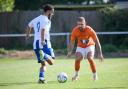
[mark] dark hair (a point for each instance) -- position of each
(47, 7)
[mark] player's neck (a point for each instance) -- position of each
(45, 14)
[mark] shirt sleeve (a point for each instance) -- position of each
(93, 34)
(73, 35)
(43, 25)
(30, 24)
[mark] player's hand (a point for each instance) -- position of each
(27, 37)
(69, 54)
(100, 56)
(43, 43)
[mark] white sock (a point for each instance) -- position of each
(94, 74)
(42, 78)
(76, 73)
(95, 77)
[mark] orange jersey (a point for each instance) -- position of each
(85, 38)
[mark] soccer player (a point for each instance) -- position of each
(42, 45)
(86, 39)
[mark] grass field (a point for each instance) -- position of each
(23, 74)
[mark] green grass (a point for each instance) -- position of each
(23, 74)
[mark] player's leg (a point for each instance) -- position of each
(42, 73)
(44, 57)
(40, 56)
(49, 60)
(47, 48)
(49, 55)
(92, 65)
(79, 57)
(90, 57)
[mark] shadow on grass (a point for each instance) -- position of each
(52, 82)
(17, 83)
(25, 83)
(105, 88)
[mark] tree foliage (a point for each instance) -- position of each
(6, 5)
(36, 4)
(115, 20)
(9, 5)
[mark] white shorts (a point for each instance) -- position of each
(84, 51)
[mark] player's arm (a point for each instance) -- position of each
(98, 45)
(99, 49)
(70, 48)
(28, 31)
(72, 42)
(42, 36)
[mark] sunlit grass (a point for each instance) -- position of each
(23, 74)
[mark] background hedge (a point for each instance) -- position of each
(114, 20)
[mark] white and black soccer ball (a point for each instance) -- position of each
(62, 77)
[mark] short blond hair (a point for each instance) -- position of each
(81, 19)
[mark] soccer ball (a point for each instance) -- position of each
(62, 77)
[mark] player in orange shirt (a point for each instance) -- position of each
(86, 40)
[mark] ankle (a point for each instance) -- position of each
(76, 73)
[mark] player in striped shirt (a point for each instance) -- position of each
(42, 45)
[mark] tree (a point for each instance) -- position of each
(37, 4)
(27, 4)
(6, 5)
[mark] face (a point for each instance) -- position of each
(50, 14)
(81, 25)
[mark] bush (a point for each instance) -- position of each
(115, 20)
(109, 48)
(3, 51)
(124, 46)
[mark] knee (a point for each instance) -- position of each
(79, 56)
(50, 62)
(89, 57)
(78, 60)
